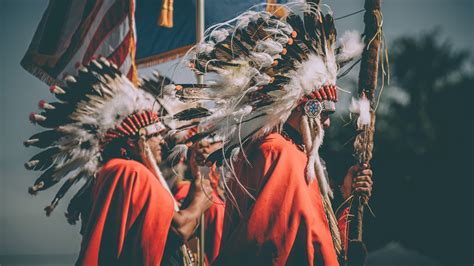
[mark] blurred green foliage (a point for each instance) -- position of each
(423, 155)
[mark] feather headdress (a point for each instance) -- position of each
(265, 67)
(95, 107)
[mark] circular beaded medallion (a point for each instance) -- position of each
(313, 108)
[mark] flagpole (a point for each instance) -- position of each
(200, 80)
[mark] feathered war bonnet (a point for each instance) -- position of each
(95, 107)
(265, 66)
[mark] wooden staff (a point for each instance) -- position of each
(363, 144)
(200, 80)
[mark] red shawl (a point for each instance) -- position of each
(130, 217)
(214, 221)
(286, 224)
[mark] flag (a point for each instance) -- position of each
(74, 32)
(167, 29)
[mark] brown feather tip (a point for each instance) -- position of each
(34, 189)
(156, 74)
(31, 164)
(82, 69)
(45, 105)
(34, 117)
(30, 142)
(56, 90)
(50, 208)
(72, 218)
(70, 79)
(104, 61)
(97, 64)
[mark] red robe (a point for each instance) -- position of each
(286, 223)
(130, 217)
(213, 221)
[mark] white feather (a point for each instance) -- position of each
(244, 19)
(179, 151)
(362, 108)
(121, 99)
(205, 47)
(269, 46)
(262, 79)
(350, 45)
(314, 168)
(169, 90)
(219, 35)
(314, 73)
(262, 59)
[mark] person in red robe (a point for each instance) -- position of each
(278, 218)
(214, 216)
(106, 131)
(133, 214)
(213, 220)
(275, 87)
(133, 220)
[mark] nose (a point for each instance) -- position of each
(327, 122)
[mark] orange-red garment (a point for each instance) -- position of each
(130, 217)
(286, 223)
(342, 223)
(213, 221)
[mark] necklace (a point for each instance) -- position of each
(292, 135)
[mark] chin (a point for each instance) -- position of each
(158, 159)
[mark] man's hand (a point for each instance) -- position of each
(193, 164)
(358, 180)
(185, 221)
(202, 193)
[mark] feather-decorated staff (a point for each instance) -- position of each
(365, 107)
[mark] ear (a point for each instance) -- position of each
(298, 110)
(132, 145)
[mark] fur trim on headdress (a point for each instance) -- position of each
(314, 168)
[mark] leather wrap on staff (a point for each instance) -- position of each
(363, 144)
(370, 57)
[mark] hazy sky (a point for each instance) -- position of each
(24, 229)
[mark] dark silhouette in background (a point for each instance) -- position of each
(423, 152)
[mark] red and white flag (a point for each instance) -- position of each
(74, 32)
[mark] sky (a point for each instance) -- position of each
(24, 228)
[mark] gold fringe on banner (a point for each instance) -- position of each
(166, 16)
(132, 51)
(276, 9)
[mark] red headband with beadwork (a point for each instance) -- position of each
(132, 125)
